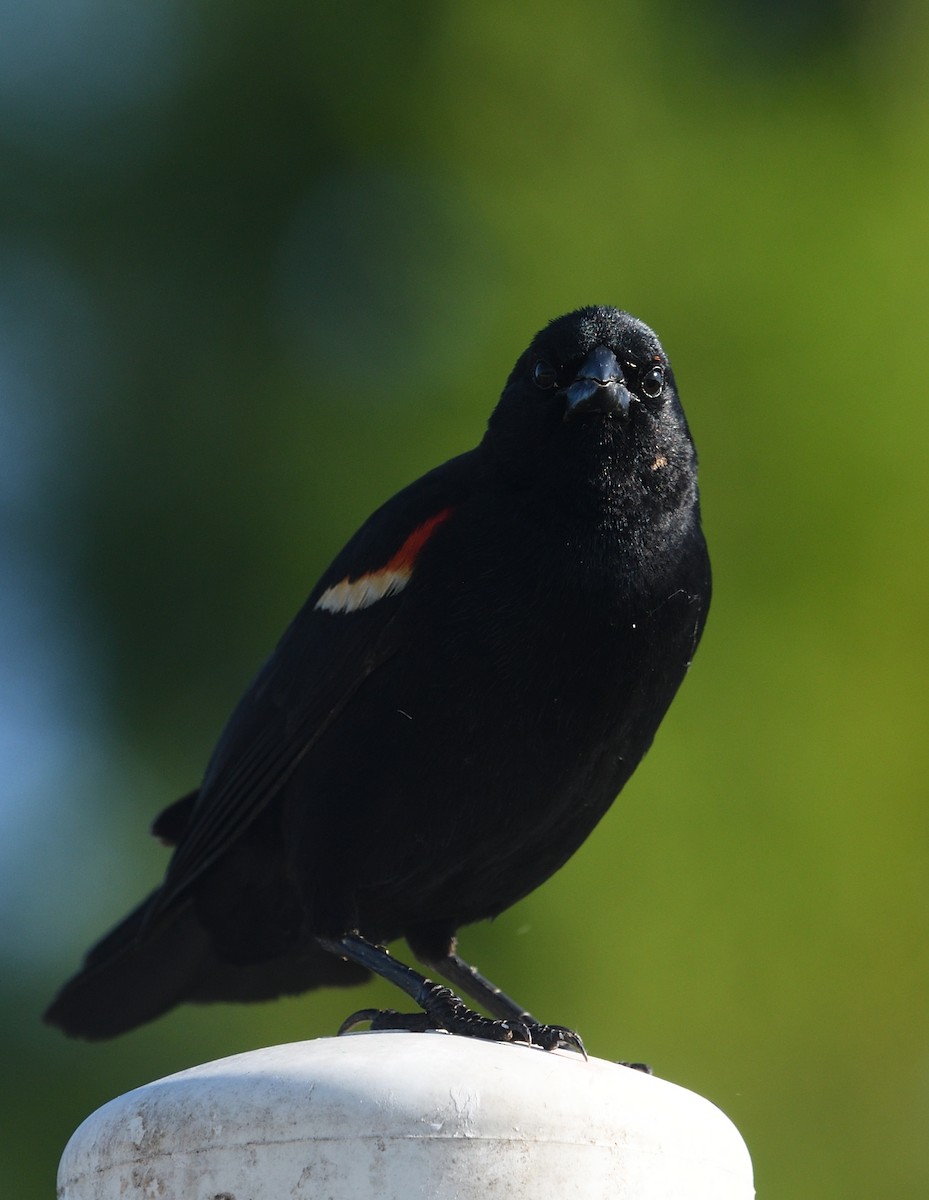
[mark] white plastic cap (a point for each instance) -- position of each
(402, 1115)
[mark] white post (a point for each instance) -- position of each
(402, 1115)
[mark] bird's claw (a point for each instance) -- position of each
(444, 1010)
(637, 1066)
(386, 1018)
(557, 1037)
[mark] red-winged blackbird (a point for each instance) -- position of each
(463, 694)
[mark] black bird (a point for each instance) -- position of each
(453, 710)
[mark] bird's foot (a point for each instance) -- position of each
(386, 1018)
(443, 1010)
(450, 1012)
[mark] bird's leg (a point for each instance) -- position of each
(442, 1009)
(468, 979)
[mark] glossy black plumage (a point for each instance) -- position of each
(463, 694)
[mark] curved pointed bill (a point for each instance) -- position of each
(599, 386)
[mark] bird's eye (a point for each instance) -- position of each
(543, 374)
(652, 383)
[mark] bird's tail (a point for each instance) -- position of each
(142, 969)
(127, 980)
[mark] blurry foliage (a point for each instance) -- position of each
(261, 266)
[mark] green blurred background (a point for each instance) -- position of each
(260, 265)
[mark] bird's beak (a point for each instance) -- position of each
(599, 386)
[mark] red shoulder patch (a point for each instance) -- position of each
(351, 594)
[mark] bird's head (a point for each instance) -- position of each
(592, 403)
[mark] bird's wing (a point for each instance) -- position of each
(349, 627)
